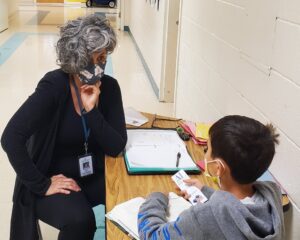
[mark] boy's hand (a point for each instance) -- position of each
(190, 182)
(194, 182)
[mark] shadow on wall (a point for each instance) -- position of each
(291, 217)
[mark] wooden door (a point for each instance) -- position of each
(3, 15)
(50, 1)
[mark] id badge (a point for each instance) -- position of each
(86, 165)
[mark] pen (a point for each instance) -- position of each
(178, 158)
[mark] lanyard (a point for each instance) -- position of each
(85, 128)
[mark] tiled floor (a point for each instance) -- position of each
(27, 53)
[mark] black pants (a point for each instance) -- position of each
(72, 214)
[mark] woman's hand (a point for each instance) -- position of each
(90, 95)
(190, 182)
(62, 184)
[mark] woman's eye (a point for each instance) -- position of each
(101, 59)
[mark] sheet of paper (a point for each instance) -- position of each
(133, 117)
(139, 137)
(202, 130)
(190, 127)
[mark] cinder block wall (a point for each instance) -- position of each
(243, 57)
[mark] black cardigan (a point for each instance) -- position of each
(30, 135)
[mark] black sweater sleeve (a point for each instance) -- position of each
(34, 112)
(110, 129)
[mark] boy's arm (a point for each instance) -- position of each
(207, 191)
(152, 222)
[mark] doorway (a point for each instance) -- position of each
(170, 50)
(50, 1)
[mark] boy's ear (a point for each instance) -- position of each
(221, 167)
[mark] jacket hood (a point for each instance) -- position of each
(261, 220)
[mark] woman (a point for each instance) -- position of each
(57, 140)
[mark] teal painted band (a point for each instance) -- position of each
(11, 45)
(147, 69)
(109, 67)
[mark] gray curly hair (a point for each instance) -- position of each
(80, 38)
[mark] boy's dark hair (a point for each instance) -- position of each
(246, 145)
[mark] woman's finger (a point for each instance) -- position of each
(68, 185)
(63, 191)
(86, 86)
(58, 176)
(71, 185)
(71, 181)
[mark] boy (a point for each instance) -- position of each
(240, 150)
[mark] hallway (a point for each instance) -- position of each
(27, 52)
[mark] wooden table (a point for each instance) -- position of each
(121, 187)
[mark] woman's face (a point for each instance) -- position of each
(99, 57)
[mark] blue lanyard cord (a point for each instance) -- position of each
(85, 129)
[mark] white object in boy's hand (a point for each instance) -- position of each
(195, 193)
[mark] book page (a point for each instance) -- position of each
(156, 149)
(125, 214)
(158, 157)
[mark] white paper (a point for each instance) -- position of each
(156, 149)
(195, 193)
(125, 214)
(133, 117)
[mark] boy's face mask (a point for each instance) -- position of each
(216, 179)
(92, 73)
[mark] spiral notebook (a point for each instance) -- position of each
(151, 151)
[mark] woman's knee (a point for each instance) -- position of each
(66, 211)
(82, 226)
(82, 217)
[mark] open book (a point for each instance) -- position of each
(156, 151)
(125, 214)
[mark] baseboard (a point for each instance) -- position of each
(146, 67)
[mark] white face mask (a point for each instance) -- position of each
(216, 179)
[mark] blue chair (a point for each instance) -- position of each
(99, 212)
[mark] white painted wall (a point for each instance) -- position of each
(147, 25)
(243, 57)
(3, 15)
(12, 7)
(125, 11)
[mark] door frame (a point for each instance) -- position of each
(170, 51)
